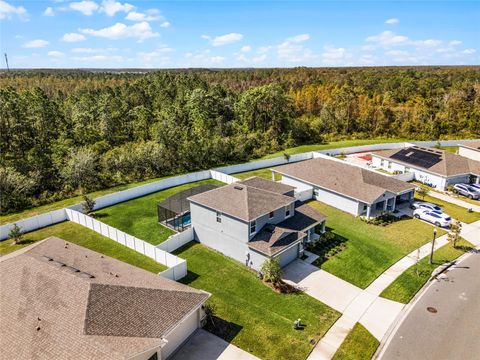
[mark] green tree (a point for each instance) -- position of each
(271, 270)
(454, 233)
(88, 205)
(422, 192)
(16, 234)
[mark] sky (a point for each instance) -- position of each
(229, 34)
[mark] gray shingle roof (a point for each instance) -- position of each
(450, 164)
(241, 201)
(274, 238)
(55, 298)
(340, 177)
(264, 184)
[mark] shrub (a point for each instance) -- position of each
(16, 234)
(88, 204)
(271, 270)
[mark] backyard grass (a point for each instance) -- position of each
(4, 219)
(138, 217)
(370, 249)
(251, 315)
(404, 288)
(455, 211)
(358, 345)
(330, 145)
(265, 173)
(82, 236)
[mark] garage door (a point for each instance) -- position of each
(288, 256)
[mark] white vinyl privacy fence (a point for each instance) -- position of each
(177, 240)
(177, 267)
(221, 174)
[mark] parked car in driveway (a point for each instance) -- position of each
(467, 190)
(426, 206)
(435, 217)
(476, 186)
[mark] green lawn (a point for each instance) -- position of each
(370, 249)
(455, 211)
(265, 173)
(4, 219)
(358, 345)
(253, 316)
(138, 217)
(404, 288)
(330, 145)
(82, 236)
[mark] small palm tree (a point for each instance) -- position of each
(422, 192)
(271, 270)
(454, 233)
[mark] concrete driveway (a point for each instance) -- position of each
(206, 346)
(321, 285)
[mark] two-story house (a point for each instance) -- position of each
(254, 220)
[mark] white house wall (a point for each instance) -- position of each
(469, 153)
(303, 191)
(181, 333)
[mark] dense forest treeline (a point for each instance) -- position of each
(65, 132)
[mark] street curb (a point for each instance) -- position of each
(387, 338)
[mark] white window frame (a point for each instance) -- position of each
(219, 217)
(253, 225)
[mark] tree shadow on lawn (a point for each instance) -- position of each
(222, 328)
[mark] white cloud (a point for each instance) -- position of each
(140, 31)
(49, 11)
(99, 59)
(246, 48)
(7, 10)
(92, 50)
(73, 37)
(386, 39)
(39, 43)
(223, 39)
(136, 16)
(454, 42)
(428, 43)
(292, 50)
(111, 7)
(165, 24)
(392, 21)
(331, 53)
(56, 54)
(86, 7)
(469, 51)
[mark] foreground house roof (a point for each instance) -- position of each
(63, 301)
(349, 180)
(436, 161)
(272, 239)
(242, 201)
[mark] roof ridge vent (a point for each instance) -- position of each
(238, 187)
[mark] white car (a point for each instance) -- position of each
(426, 206)
(435, 217)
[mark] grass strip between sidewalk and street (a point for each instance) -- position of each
(358, 345)
(404, 288)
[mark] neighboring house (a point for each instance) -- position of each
(433, 167)
(470, 150)
(67, 302)
(350, 188)
(254, 220)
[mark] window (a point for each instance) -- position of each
(271, 215)
(219, 217)
(389, 164)
(407, 169)
(253, 227)
(315, 191)
(381, 163)
(287, 211)
(364, 206)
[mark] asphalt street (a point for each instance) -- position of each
(453, 331)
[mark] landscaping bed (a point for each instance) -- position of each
(250, 314)
(138, 217)
(358, 345)
(85, 237)
(404, 288)
(369, 249)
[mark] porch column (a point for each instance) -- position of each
(385, 205)
(369, 208)
(323, 226)
(394, 203)
(477, 180)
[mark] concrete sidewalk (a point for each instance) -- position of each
(367, 307)
(454, 200)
